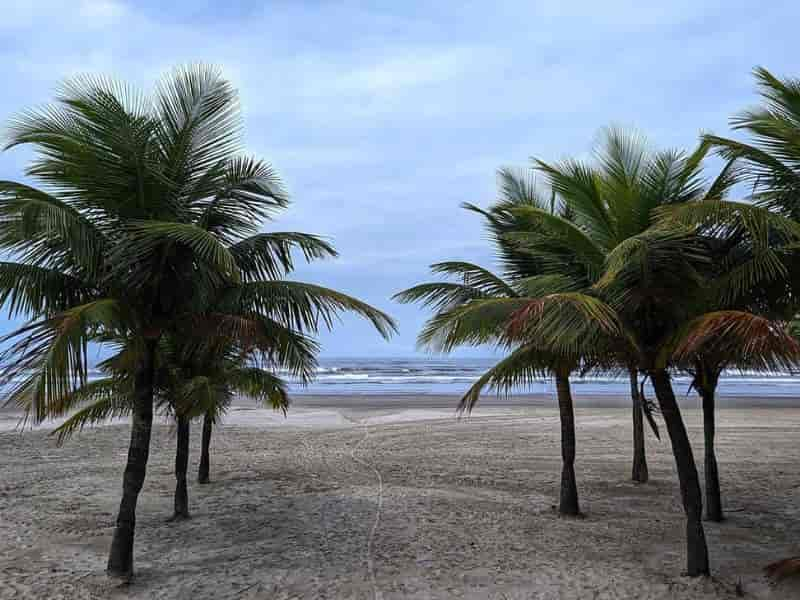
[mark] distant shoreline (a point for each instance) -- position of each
(449, 402)
(414, 400)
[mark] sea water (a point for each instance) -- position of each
(455, 375)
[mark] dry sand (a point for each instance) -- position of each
(370, 502)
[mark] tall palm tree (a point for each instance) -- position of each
(650, 277)
(146, 210)
(617, 197)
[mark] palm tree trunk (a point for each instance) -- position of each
(713, 495)
(120, 559)
(639, 473)
(202, 472)
(181, 466)
(568, 504)
(697, 550)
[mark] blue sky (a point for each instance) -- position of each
(383, 117)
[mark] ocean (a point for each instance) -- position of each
(353, 376)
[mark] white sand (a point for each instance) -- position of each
(382, 503)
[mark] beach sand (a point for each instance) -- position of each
(352, 498)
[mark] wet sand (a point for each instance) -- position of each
(352, 497)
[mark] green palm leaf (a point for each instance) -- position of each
(269, 255)
(524, 366)
(302, 306)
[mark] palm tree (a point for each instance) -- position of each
(754, 242)
(184, 389)
(721, 340)
(651, 277)
(146, 210)
(771, 164)
(481, 307)
(616, 198)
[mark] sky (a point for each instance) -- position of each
(383, 117)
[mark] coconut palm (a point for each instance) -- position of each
(649, 277)
(184, 388)
(730, 339)
(615, 198)
(771, 164)
(145, 210)
(481, 306)
(754, 242)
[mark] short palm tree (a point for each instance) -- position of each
(186, 386)
(146, 211)
(725, 340)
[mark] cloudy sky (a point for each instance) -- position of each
(382, 117)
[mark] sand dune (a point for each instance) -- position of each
(399, 503)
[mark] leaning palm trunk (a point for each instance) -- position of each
(120, 559)
(568, 504)
(697, 550)
(713, 495)
(202, 472)
(181, 467)
(639, 472)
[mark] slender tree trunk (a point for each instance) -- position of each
(181, 466)
(568, 504)
(202, 472)
(120, 559)
(639, 473)
(697, 550)
(713, 496)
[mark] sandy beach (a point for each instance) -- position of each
(381, 498)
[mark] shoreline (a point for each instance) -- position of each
(444, 401)
(337, 411)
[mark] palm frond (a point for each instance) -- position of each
(578, 185)
(150, 236)
(302, 306)
(266, 388)
(46, 360)
(103, 399)
(248, 192)
(524, 366)
(199, 122)
(31, 290)
(477, 322)
(440, 295)
(269, 255)
(742, 340)
(570, 324)
(45, 231)
(475, 276)
(518, 187)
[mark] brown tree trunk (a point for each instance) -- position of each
(181, 466)
(202, 472)
(568, 504)
(120, 559)
(639, 472)
(697, 550)
(707, 391)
